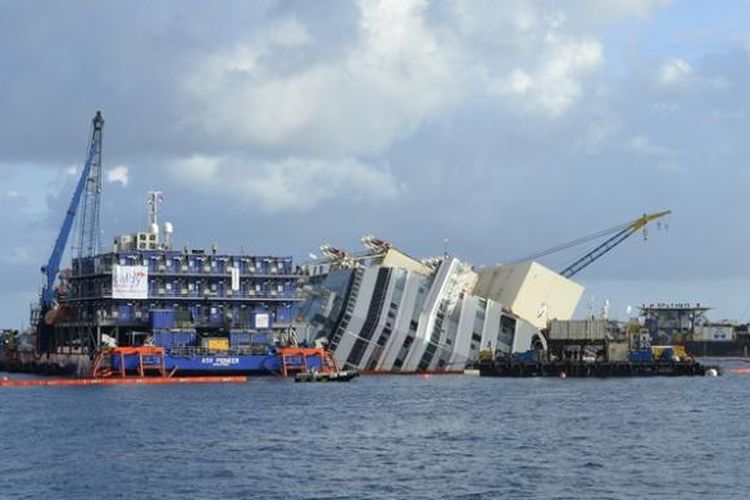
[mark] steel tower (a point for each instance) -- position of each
(89, 236)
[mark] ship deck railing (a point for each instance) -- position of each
(268, 297)
(103, 273)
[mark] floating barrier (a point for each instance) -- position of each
(60, 382)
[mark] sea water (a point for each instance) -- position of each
(446, 436)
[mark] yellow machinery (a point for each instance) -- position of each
(671, 351)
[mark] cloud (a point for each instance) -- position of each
(118, 174)
(397, 74)
(290, 184)
(644, 145)
(673, 71)
(328, 114)
(554, 85)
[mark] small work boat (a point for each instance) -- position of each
(329, 371)
(316, 376)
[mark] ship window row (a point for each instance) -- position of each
(247, 288)
(373, 313)
(184, 263)
(401, 358)
(386, 333)
(338, 333)
(427, 357)
(184, 316)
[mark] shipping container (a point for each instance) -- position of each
(260, 338)
(125, 314)
(524, 357)
(170, 339)
(162, 319)
(215, 343)
(617, 351)
(718, 333)
(239, 338)
(587, 329)
(642, 355)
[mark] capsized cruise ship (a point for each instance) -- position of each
(381, 310)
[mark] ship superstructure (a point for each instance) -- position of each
(381, 310)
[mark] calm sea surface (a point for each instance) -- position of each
(381, 437)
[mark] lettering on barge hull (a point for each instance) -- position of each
(220, 361)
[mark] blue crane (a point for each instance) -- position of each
(89, 183)
(87, 244)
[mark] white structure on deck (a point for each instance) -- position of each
(386, 311)
(531, 291)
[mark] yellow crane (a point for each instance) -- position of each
(620, 236)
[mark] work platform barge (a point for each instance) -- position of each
(524, 368)
(204, 312)
(595, 348)
(211, 312)
(129, 295)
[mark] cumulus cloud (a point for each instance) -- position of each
(397, 74)
(673, 71)
(290, 184)
(118, 174)
(554, 84)
(477, 106)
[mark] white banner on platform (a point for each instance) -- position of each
(129, 282)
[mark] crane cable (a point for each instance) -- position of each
(574, 243)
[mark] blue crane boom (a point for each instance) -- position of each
(52, 269)
(611, 243)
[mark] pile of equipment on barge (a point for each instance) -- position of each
(594, 348)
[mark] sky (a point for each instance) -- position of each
(502, 127)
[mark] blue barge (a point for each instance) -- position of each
(197, 361)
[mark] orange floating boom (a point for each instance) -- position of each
(58, 382)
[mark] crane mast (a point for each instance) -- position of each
(88, 241)
(87, 189)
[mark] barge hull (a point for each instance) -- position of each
(596, 369)
(220, 364)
